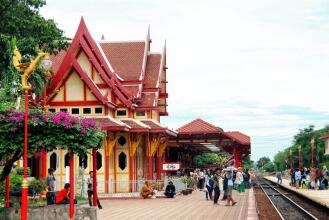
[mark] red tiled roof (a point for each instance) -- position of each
(135, 126)
(112, 125)
(198, 126)
(57, 60)
(148, 99)
(133, 90)
(239, 137)
(153, 125)
(152, 70)
(126, 58)
(157, 127)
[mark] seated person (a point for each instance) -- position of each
(63, 195)
(147, 190)
(170, 191)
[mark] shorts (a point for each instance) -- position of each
(229, 191)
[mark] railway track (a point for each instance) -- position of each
(286, 208)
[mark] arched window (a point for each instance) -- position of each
(67, 160)
(99, 160)
(83, 161)
(53, 161)
(122, 160)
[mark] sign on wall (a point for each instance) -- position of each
(170, 166)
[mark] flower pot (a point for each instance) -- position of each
(185, 192)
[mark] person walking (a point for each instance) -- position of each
(279, 177)
(90, 190)
(229, 176)
(209, 185)
(216, 179)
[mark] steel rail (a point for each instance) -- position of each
(288, 199)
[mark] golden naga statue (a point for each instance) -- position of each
(26, 68)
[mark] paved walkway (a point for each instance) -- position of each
(193, 206)
(319, 196)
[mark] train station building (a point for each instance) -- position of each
(123, 86)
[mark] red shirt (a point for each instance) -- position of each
(61, 195)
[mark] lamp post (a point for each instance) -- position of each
(312, 147)
(291, 162)
(299, 157)
(27, 69)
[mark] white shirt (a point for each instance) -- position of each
(239, 178)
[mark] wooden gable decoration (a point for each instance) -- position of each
(84, 60)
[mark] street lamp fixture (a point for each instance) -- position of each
(299, 157)
(312, 146)
(27, 69)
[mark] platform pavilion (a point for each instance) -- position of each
(199, 136)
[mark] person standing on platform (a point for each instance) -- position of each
(279, 177)
(229, 176)
(209, 184)
(224, 177)
(90, 190)
(252, 178)
(50, 184)
(195, 179)
(325, 176)
(201, 180)
(239, 180)
(298, 177)
(216, 179)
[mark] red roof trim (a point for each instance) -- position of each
(325, 136)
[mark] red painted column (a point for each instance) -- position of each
(237, 160)
(158, 168)
(107, 173)
(24, 200)
(131, 172)
(150, 168)
(94, 177)
(44, 164)
(71, 186)
(7, 191)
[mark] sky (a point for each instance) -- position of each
(256, 66)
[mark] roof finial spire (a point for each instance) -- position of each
(102, 38)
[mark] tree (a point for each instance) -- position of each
(268, 167)
(248, 163)
(303, 138)
(46, 131)
(262, 161)
(22, 25)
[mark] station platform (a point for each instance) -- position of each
(192, 206)
(318, 196)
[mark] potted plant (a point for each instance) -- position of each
(38, 186)
(186, 180)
